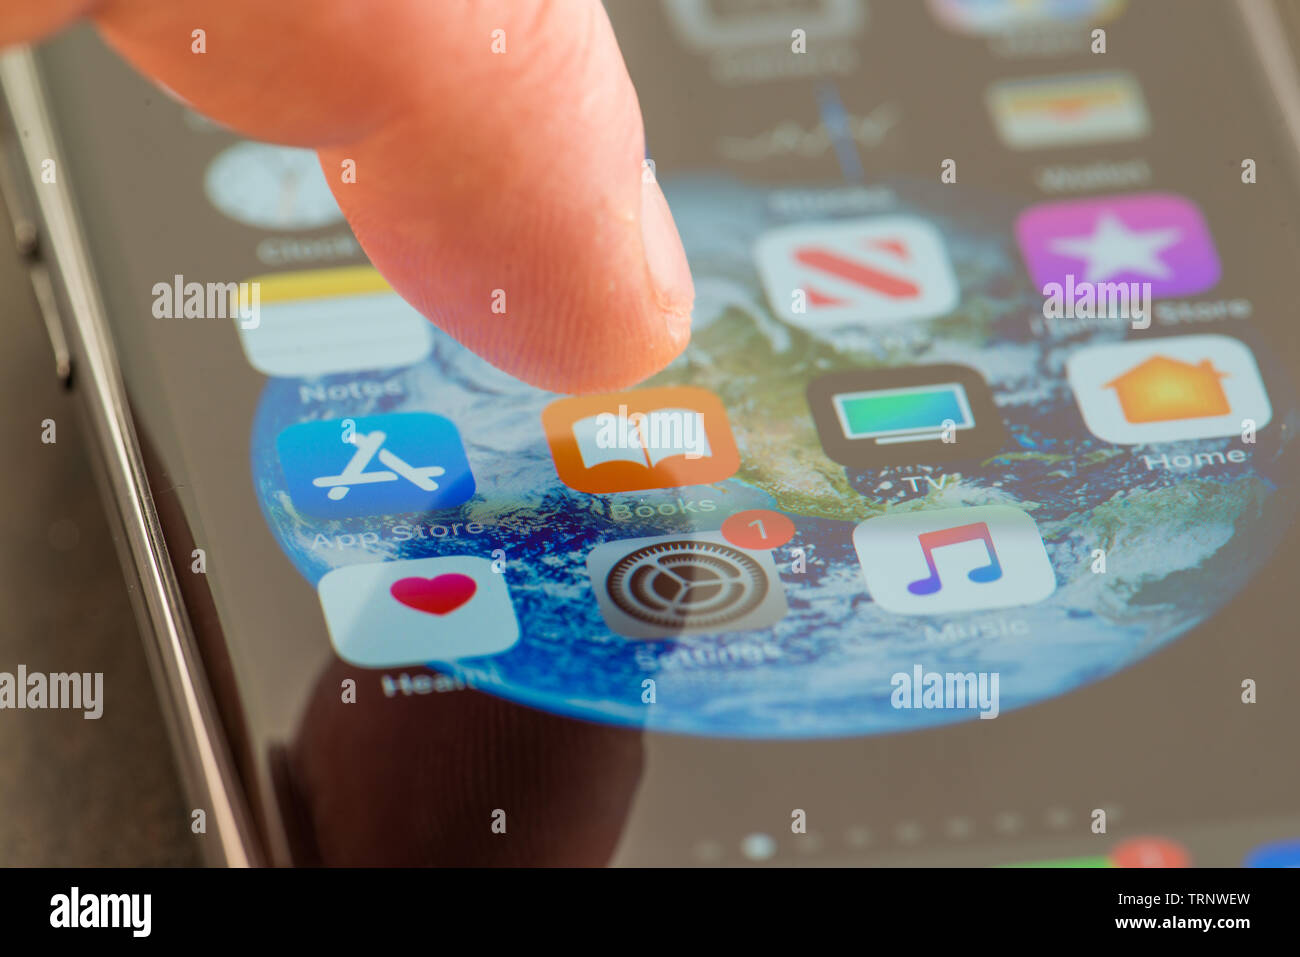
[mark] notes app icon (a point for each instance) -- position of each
(323, 321)
(954, 559)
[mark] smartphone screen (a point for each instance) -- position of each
(961, 533)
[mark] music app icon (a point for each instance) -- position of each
(954, 559)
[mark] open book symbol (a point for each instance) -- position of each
(643, 439)
(370, 446)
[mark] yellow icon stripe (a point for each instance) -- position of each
(321, 283)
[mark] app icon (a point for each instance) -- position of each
(1150, 852)
(870, 418)
(649, 438)
(684, 584)
(708, 25)
(419, 610)
(1168, 389)
(1092, 861)
(1004, 16)
(1277, 854)
(878, 269)
(1155, 238)
(271, 187)
(1138, 852)
(954, 559)
(332, 320)
(374, 465)
(1068, 110)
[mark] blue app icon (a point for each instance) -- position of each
(1278, 854)
(375, 465)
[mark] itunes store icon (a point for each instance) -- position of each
(954, 559)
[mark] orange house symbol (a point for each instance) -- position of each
(1166, 390)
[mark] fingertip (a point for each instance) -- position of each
(670, 273)
(26, 21)
(521, 172)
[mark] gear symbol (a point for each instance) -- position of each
(680, 584)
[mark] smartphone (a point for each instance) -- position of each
(963, 532)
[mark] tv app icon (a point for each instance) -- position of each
(954, 559)
(871, 418)
(374, 465)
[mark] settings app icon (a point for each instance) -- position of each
(685, 584)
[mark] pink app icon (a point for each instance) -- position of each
(1155, 238)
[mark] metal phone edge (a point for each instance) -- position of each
(196, 730)
(1267, 33)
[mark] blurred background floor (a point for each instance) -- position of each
(72, 791)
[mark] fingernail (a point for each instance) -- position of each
(665, 258)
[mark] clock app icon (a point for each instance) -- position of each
(271, 187)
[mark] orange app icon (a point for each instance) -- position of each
(648, 438)
(1162, 389)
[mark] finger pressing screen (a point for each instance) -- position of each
(492, 150)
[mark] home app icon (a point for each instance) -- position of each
(1169, 389)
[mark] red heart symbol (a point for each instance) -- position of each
(438, 595)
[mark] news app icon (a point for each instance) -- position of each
(645, 439)
(385, 614)
(374, 465)
(1168, 389)
(674, 585)
(871, 418)
(954, 559)
(850, 272)
(1048, 111)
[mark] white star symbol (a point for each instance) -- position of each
(1114, 248)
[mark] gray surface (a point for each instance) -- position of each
(72, 791)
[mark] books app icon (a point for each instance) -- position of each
(645, 439)
(868, 418)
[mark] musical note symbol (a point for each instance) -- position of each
(952, 536)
